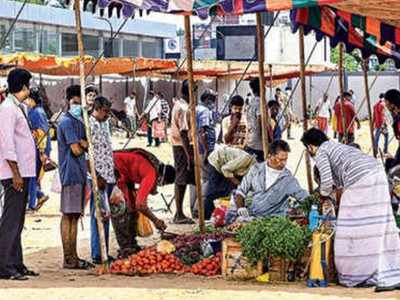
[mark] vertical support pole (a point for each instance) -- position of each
(192, 105)
(103, 251)
(367, 96)
(126, 86)
(341, 89)
(271, 93)
(261, 74)
(101, 84)
(304, 103)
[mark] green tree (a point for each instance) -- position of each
(351, 61)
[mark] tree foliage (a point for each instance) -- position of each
(351, 64)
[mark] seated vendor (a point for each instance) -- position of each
(227, 165)
(138, 173)
(271, 185)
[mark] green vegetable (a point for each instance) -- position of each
(276, 236)
(397, 218)
(309, 201)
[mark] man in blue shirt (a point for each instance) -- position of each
(205, 121)
(72, 146)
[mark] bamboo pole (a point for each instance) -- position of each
(304, 103)
(192, 105)
(341, 89)
(271, 93)
(103, 250)
(263, 104)
(367, 96)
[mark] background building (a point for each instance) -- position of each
(50, 30)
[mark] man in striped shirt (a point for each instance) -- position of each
(367, 243)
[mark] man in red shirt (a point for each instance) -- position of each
(380, 124)
(138, 173)
(349, 116)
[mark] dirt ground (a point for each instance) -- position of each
(42, 248)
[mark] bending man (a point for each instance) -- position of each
(137, 167)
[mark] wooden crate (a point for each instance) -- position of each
(234, 265)
(278, 269)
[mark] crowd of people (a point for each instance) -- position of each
(233, 164)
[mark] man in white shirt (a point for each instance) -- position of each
(131, 111)
(152, 113)
(324, 113)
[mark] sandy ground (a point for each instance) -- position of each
(42, 248)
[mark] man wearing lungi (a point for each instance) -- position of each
(72, 146)
(367, 243)
(182, 150)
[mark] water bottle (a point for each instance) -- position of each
(313, 218)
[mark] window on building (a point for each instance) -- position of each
(49, 42)
(3, 32)
(91, 45)
(130, 48)
(70, 44)
(152, 49)
(116, 48)
(24, 39)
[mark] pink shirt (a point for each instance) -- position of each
(16, 141)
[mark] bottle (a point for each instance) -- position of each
(313, 218)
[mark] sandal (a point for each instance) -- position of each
(78, 264)
(184, 221)
(40, 203)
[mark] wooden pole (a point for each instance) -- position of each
(271, 93)
(367, 96)
(341, 89)
(103, 250)
(192, 105)
(261, 74)
(304, 103)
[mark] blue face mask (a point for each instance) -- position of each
(76, 111)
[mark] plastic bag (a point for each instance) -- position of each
(56, 183)
(144, 228)
(117, 202)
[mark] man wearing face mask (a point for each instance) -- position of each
(72, 146)
(234, 126)
(367, 243)
(271, 183)
(17, 167)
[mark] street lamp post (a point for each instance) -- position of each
(108, 51)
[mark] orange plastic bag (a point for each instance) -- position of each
(144, 228)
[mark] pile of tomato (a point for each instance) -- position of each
(208, 266)
(149, 261)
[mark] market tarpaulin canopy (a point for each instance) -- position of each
(202, 8)
(232, 70)
(69, 66)
(372, 36)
